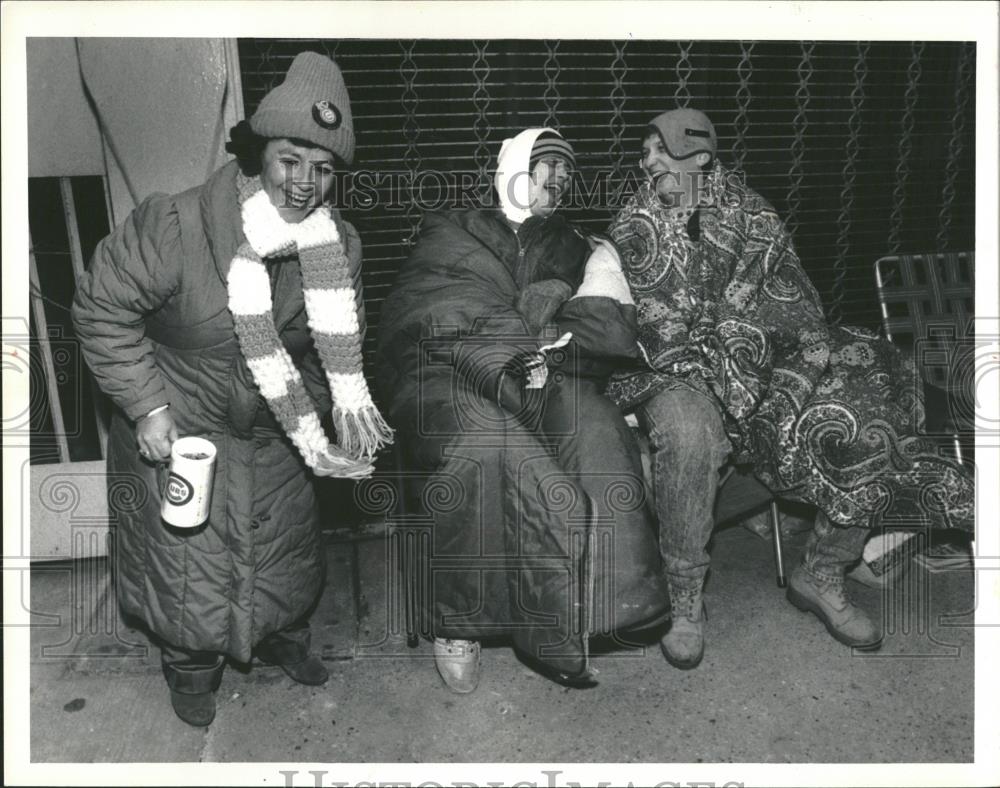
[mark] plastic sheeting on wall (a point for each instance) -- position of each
(164, 109)
(63, 138)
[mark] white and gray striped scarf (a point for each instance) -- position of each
(331, 311)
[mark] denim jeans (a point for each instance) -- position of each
(831, 549)
(689, 447)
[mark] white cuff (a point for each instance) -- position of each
(156, 410)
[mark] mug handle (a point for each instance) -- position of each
(162, 477)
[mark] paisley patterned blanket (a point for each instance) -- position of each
(830, 416)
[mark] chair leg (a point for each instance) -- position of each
(405, 552)
(407, 581)
(779, 554)
(410, 588)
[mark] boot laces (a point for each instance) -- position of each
(685, 604)
(834, 588)
(838, 590)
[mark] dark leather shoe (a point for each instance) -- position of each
(197, 709)
(309, 671)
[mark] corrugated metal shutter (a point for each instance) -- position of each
(865, 148)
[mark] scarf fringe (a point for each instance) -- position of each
(362, 432)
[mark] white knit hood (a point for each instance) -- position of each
(513, 178)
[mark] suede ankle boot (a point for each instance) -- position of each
(684, 644)
(826, 597)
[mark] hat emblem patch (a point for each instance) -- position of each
(326, 114)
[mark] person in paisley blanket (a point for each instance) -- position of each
(736, 362)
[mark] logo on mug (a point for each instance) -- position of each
(179, 490)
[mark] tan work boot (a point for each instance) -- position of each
(684, 643)
(827, 598)
(457, 662)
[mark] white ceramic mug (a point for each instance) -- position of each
(187, 493)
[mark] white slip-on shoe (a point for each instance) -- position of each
(457, 662)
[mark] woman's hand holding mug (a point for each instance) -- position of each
(155, 434)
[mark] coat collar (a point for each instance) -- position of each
(220, 217)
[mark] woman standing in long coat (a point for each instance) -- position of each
(233, 311)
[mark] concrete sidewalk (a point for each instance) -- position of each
(774, 686)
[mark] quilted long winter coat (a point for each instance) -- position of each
(152, 315)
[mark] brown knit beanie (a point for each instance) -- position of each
(311, 104)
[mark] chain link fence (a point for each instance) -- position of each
(866, 148)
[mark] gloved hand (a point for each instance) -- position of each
(523, 403)
(340, 465)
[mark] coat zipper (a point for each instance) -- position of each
(519, 268)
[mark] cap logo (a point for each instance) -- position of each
(326, 114)
(697, 133)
